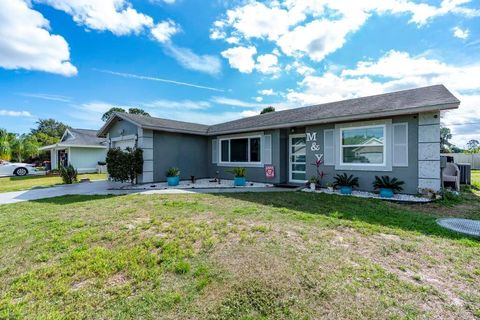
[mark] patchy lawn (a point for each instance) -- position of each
(235, 256)
(8, 184)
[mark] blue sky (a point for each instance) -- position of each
(213, 61)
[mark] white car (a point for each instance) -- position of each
(17, 169)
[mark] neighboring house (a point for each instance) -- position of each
(395, 134)
(79, 147)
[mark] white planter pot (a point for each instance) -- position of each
(312, 186)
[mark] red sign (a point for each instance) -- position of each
(270, 171)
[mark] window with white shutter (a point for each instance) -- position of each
(267, 149)
(328, 147)
(400, 144)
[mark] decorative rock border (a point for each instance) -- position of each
(199, 184)
(407, 198)
(465, 226)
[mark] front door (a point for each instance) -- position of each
(297, 158)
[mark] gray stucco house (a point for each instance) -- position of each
(395, 134)
(79, 147)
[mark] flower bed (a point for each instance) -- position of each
(365, 194)
(199, 184)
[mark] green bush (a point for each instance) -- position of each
(172, 172)
(125, 165)
(238, 172)
(387, 183)
(68, 174)
(344, 180)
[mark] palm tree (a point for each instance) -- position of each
(5, 145)
(25, 146)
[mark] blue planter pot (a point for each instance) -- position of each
(346, 190)
(239, 181)
(173, 181)
(386, 193)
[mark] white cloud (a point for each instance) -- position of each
(26, 43)
(45, 96)
(241, 58)
(300, 68)
(267, 64)
(116, 16)
(267, 92)
(190, 60)
(461, 33)
(396, 71)
(258, 99)
(13, 113)
(319, 38)
(150, 78)
(236, 102)
(318, 28)
(420, 70)
(163, 31)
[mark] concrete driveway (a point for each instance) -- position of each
(103, 187)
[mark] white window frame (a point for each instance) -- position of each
(235, 164)
(384, 145)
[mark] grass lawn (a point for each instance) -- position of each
(236, 256)
(476, 178)
(8, 184)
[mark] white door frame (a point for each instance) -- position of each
(290, 162)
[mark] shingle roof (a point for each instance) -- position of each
(84, 137)
(410, 101)
(400, 102)
(165, 124)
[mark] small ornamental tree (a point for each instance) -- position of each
(125, 165)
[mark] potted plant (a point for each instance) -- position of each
(345, 183)
(329, 186)
(313, 182)
(387, 186)
(173, 176)
(239, 176)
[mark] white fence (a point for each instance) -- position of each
(473, 159)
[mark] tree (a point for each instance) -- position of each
(267, 110)
(473, 144)
(24, 146)
(138, 111)
(50, 127)
(445, 136)
(45, 140)
(109, 113)
(5, 145)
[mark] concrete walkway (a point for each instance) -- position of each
(104, 187)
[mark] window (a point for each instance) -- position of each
(240, 150)
(363, 145)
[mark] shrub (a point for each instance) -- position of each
(344, 180)
(172, 172)
(68, 174)
(313, 179)
(238, 172)
(386, 183)
(124, 165)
